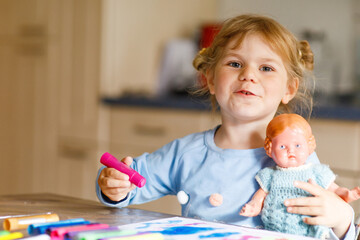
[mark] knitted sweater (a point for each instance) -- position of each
(279, 184)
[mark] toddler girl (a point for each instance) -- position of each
(254, 69)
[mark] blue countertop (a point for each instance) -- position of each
(325, 108)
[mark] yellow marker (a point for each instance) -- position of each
(140, 236)
(10, 236)
(16, 223)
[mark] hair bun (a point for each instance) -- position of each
(306, 55)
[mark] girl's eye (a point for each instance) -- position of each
(282, 146)
(297, 145)
(266, 69)
(235, 64)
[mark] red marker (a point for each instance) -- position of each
(110, 161)
(59, 233)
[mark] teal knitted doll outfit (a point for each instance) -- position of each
(278, 183)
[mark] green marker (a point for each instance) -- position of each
(94, 235)
(2, 233)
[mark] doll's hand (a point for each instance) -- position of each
(115, 184)
(325, 207)
(250, 210)
(348, 195)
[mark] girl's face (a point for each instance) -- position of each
(290, 148)
(250, 81)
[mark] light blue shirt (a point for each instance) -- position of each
(195, 165)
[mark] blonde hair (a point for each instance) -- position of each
(297, 56)
(293, 121)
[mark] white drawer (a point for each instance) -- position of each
(152, 127)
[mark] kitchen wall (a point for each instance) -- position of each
(135, 34)
(329, 24)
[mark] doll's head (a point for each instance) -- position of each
(289, 140)
(297, 56)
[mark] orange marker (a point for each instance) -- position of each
(15, 223)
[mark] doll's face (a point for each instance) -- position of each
(290, 148)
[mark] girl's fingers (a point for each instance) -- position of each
(310, 187)
(315, 220)
(310, 211)
(306, 201)
(127, 160)
(113, 173)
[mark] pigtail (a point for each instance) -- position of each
(202, 65)
(306, 55)
(200, 60)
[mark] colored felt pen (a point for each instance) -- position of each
(38, 237)
(98, 234)
(59, 233)
(4, 232)
(15, 223)
(40, 228)
(134, 177)
(76, 235)
(13, 235)
(140, 236)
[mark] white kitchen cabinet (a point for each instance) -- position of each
(49, 71)
(57, 57)
(28, 56)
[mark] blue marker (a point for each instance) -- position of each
(40, 228)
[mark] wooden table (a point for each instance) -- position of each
(69, 207)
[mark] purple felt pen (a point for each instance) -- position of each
(110, 161)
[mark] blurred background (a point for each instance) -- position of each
(81, 77)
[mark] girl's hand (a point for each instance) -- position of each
(115, 184)
(325, 207)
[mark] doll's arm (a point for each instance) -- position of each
(346, 194)
(254, 206)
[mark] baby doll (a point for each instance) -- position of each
(289, 142)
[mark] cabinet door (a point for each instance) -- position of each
(150, 126)
(25, 107)
(78, 97)
(337, 143)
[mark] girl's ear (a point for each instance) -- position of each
(291, 91)
(210, 82)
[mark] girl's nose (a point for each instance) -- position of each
(247, 74)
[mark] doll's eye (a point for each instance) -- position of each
(282, 147)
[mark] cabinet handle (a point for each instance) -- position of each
(155, 131)
(73, 153)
